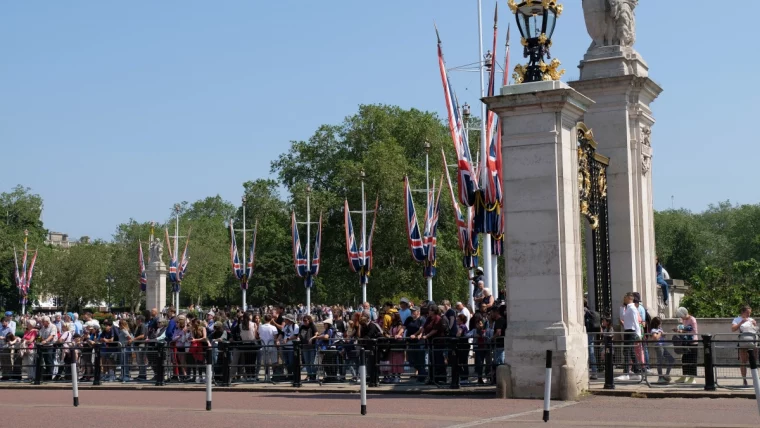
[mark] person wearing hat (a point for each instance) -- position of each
(327, 350)
(11, 323)
(289, 334)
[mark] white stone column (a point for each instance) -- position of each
(155, 291)
(616, 78)
(543, 240)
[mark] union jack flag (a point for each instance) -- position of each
(237, 267)
(355, 261)
(185, 259)
(359, 256)
(143, 275)
(467, 182)
(299, 257)
(23, 272)
(416, 243)
(317, 249)
(17, 276)
(251, 254)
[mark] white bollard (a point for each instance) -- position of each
(75, 382)
(548, 386)
(209, 377)
(363, 380)
(755, 380)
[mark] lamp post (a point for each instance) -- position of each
(536, 20)
(109, 282)
(470, 286)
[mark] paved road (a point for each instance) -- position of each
(236, 409)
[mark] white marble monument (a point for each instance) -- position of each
(155, 292)
(615, 76)
(543, 241)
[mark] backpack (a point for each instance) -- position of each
(593, 321)
(446, 327)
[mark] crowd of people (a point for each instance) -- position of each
(261, 342)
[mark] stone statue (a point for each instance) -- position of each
(156, 251)
(610, 22)
(646, 149)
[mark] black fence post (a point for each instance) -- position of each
(161, 358)
(227, 354)
(609, 366)
(709, 364)
(38, 366)
(454, 363)
(374, 364)
(97, 369)
(296, 364)
(431, 363)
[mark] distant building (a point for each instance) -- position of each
(58, 239)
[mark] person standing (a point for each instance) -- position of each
(689, 357)
(289, 334)
(48, 336)
(632, 329)
(747, 329)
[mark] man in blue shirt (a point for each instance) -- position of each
(404, 310)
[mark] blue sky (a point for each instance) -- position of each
(116, 110)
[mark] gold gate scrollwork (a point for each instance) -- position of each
(592, 192)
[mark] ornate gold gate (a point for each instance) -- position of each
(592, 185)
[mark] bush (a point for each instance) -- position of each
(102, 316)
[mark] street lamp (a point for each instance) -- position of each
(466, 112)
(109, 281)
(536, 20)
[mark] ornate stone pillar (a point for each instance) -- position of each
(543, 240)
(155, 291)
(616, 77)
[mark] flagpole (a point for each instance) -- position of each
(245, 259)
(487, 270)
(176, 253)
(23, 298)
(364, 240)
(308, 249)
(427, 187)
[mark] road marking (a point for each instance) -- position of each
(512, 416)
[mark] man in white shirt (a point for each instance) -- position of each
(630, 320)
(268, 336)
(461, 309)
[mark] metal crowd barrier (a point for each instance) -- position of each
(442, 362)
(712, 361)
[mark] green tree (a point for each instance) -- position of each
(20, 210)
(208, 249)
(387, 143)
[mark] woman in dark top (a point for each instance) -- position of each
(306, 331)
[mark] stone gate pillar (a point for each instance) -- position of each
(616, 78)
(543, 239)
